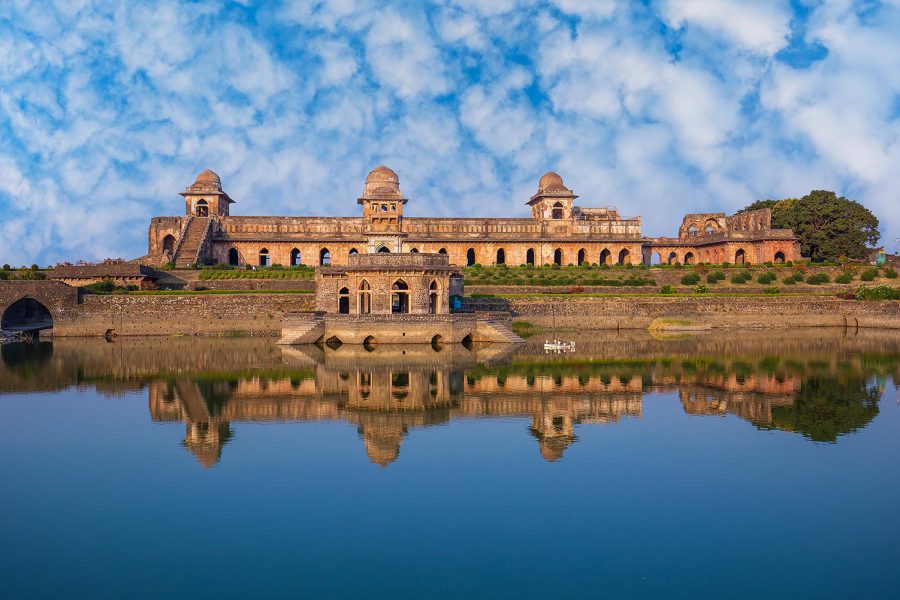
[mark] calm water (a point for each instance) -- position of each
(635, 466)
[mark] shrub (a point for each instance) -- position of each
(29, 275)
(741, 278)
(715, 277)
(868, 275)
(35, 268)
(789, 280)
(690, 279)
(6, 267)
(766, 278)
(878, 291)
(818, 279)
(103, 287)
(771, 290)
(844, 278)
(667, 289)
(701, 289)
(890, 273)
(4, 275)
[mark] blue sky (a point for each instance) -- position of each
(661, 107)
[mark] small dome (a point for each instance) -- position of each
(208, 176)
(382, 181)
(551, 182)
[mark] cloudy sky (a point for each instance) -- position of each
(109, 109)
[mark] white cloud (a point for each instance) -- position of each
(760, 26)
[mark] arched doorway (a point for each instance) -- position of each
(296, 257)
(689, 258)
(558, 210)
(324, 257)
(740, 257)
(364, 305)
(529, 256)
(168, 245)
(434, 298)
(673, 258)
(470, 257)
(400, 297)
(26, 314)
(344, 301)
(558, 257)
(501, 256)
(581, 256)
(414, 250)
(605, 256)
(779, 257)
(264, 258)
(202, 208)
(442, 251)
(383, 250)
(234, 258)
(624, 257)
(353, 252)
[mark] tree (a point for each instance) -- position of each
(827, 407)
(828, 226)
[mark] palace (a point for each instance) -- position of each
(558, 232)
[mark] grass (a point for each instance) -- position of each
(689, 294)
(262, 273)
(208, 292)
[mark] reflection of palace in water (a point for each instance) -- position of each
(214, 385)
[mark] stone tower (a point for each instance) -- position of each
(205, 198)
(553, 199)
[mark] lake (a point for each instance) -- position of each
(742, 465)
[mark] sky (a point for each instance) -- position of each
(657, 107)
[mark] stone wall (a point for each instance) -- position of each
(251, 314)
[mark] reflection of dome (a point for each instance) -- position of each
(551, 182)
(382, 181)
(383, 447)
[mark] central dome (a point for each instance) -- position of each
(551, 182)
(208, 176)
(382, 181)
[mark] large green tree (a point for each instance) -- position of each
(829, 226)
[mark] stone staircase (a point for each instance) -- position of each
(186, 254)
(302, 328)
(496, 329)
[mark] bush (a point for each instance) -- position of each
(878, 291)
(4, 275)
(818, 279)
(701, 289)
(667, 289)
(766, 278)
(844, 278)
(6, 267)
(104, 287)
(868, 275)
(890, 273)
(30, 275)
(771, 290)
(35, 268)
(741, 278)
(789, 280)
(690, 279)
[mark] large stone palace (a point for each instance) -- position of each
(558, 232)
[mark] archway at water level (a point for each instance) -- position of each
(26, 314)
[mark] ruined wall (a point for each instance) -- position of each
(180, 315)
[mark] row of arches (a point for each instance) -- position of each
(264, 258)
(399, 295)
(605, 257)
(715, 256)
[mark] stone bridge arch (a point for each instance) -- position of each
(58, 298)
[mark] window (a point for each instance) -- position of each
(202, 208)
(399, 297)
(434, 298)
(353, 251)
(470, 257)
(414, 250)
(558, 210)
(673, 258)
(501, 257)
(384, 250)
(558, 256)
(779, 257)
(442, 251)
(689, 258)
(324, 257)
(693, 230)
(581, 256)
(295, 257)
(344, 301)
(529, 256)
(168, 244)
(264, 260)
(365, 298)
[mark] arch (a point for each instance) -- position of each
(383, 250)
(26, 314)
(353, 251)
(689, 258)
(334, 342)
(557, 212)
(436, 342)
(233, 257)
(779, 257)
(201, 208)
(470, 257)
(467, 342)
(693, 230)
(369, 343)
(168, 244)
(501, 256)
(529, 256)
(442, 251)
(711, 227)
(296, 257)
(740, 257)
(414, 250)
(264, 259)
(624, 256)
(434, 298)
(399, 297)
(605, 256)
(582, 255)
(344, 301)
(324, 257)
(558, 256)
(364, 298)
(673, 258)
